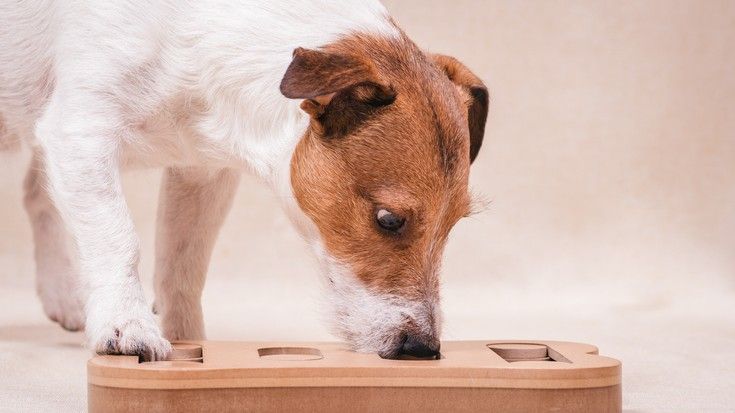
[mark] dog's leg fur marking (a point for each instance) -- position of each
(81, 138)
(57, 281)
(192, 206)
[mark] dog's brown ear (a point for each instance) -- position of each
(479, 101)
(340, 90)
(314, 73)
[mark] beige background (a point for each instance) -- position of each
(609, 167)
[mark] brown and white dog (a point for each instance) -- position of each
(367, 140)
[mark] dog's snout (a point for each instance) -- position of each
(416, 347)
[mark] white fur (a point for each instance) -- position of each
(56, 280)
(187, 85)
(372, 321)
(193, 204)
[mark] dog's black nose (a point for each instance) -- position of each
(415, 347)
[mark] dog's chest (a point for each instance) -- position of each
(168, 137)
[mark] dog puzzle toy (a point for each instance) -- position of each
(470, 376)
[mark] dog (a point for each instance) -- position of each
(366, 139)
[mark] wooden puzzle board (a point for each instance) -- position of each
(509, 376)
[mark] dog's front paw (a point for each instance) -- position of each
(62, 298)
(133, 336)
(65, 308)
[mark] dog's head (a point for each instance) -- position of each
(382, 171)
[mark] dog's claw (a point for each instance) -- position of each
(140, 338)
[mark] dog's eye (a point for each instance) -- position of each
(390, 221)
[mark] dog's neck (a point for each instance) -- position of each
(245, 117)
(246, 120)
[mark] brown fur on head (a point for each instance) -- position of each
(392, 129)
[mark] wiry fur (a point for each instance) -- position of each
(191, 86)
(369, 319)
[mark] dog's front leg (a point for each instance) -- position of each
(81, 137)
(192, 206)
(57, 281)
